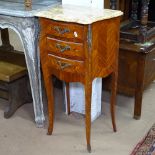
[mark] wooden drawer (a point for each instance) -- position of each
(66, 65)
(64, 30)
(65, 49)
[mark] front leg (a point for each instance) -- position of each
(88, 94)
(49, 91)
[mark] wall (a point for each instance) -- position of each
(93, 3)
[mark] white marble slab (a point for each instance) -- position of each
(78, 14)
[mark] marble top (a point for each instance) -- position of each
(78, 14)
(17, 7)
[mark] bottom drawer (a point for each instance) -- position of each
(66, 65)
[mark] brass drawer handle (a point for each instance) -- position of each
(63, 65)
(63, 48)
(61, 30)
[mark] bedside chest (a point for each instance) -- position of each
(78, 47)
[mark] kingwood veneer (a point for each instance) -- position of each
(79, 53)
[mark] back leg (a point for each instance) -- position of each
(68, 98)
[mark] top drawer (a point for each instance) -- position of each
(63, 30)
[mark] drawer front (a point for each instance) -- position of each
(66, 65)
(65, 49)
(65, 30)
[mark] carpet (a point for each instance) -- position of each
(147, 145)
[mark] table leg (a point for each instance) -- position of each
(113, 99)
(139, 87)
(6, 46)
(29, 36)
(68, 98)
(49, 91)
(88, 94)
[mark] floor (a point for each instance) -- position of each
(20, 136)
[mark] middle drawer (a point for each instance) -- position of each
(65, 49)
